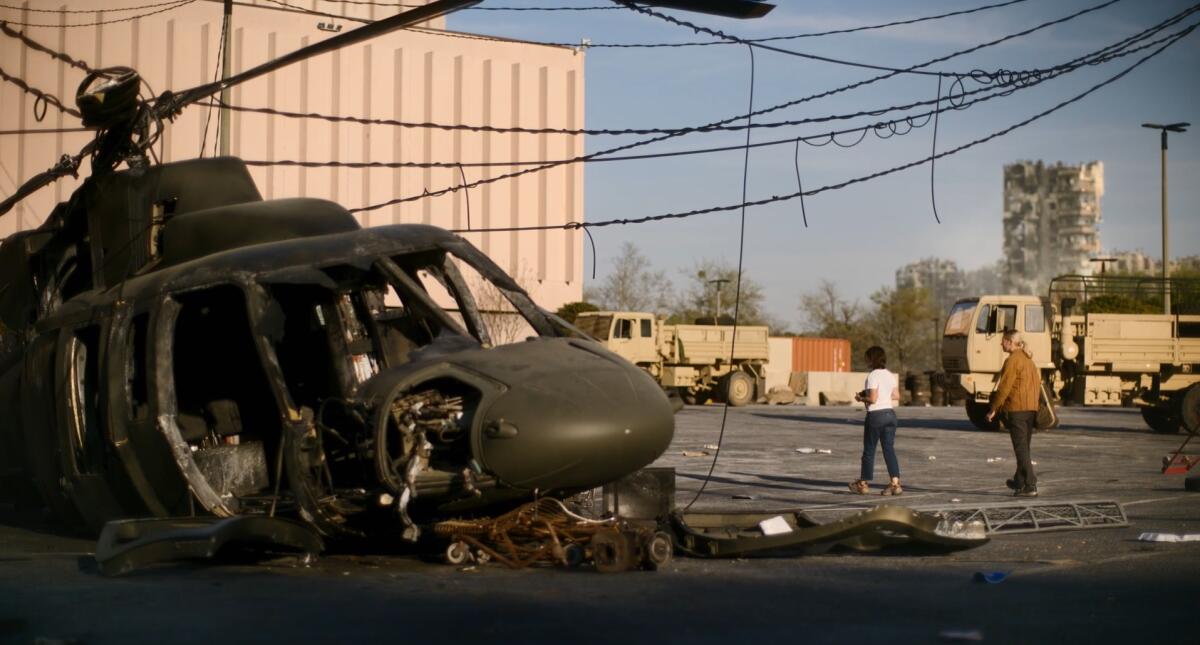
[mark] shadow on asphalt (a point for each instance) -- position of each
(932, 424)
(791, 483)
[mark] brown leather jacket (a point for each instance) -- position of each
(1019, 385)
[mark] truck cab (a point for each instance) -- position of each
(971, 353)
(631, 335)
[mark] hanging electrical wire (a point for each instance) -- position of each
(779, 106)
(875, 175)
(170, 6)
(838, 61)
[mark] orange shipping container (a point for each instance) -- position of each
(820, 354)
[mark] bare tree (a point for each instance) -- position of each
(504, 323)
(632, 285)
(905, 323)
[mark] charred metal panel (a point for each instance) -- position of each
(234, 470)
(129, 545)
(120, 207)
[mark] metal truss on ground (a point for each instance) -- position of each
(1034, 517)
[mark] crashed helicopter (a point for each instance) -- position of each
(174, 345)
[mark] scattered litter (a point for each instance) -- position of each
(994, 460)
(961, 635)
(825, 451)
(711, 446)
(775, 526)
(695, 453)
(1033, 462)
(955, 500)
(806, 451)
(743, 497)
(1169, 537)
(991, 461)
(468, 569)
(932, 457)
(991, 577)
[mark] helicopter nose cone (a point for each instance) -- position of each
(574, 417)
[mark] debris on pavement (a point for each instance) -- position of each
(711, 446)
(696, 453)
(990, 577)
(806, 451)
(775, 526)
(1169, 537)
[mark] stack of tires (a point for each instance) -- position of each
(919, 389)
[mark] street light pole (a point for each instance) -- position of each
(720, 282)
(1166, 258)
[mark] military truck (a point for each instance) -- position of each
(692, 360)
(1087, 354)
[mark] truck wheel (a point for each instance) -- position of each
(739, 389)
(688, 396)
(1189, 411)
(1162, 419)
(977, 413)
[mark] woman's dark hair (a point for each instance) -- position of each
(876, 357)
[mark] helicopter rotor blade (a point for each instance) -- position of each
(354, 36)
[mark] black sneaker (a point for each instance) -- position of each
(1012, 484)
(1028, 491)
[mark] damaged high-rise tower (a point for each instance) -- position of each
(1051, 222)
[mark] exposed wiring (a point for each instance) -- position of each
(36, 46)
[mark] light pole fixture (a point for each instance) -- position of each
(1166, 258)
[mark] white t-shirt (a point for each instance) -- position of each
(886, 382)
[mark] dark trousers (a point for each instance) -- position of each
(880, 427)
(1020, 429)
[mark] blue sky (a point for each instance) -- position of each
(859, 235)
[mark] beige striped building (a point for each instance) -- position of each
(425, 75)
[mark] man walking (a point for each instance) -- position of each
(1016, 397)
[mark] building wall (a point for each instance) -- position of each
(1051, 222)
(424, 75)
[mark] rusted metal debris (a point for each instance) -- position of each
(547, 532)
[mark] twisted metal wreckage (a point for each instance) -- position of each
(250, 372)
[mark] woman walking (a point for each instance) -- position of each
(881, 393)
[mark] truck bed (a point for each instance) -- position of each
(709, 344)
(1137, 342)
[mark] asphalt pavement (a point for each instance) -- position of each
(1093, 585)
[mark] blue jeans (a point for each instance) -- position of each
(880, 426)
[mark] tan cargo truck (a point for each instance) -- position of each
(693, 360)
(1087, 356)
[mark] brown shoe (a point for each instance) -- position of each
(860, 487)
(893, 489)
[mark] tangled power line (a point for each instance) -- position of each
(991, 85)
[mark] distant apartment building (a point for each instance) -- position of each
(423, 75)
(1051, 222)
(1131, 263)
(941, 278)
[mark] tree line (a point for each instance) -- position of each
(903, 321)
